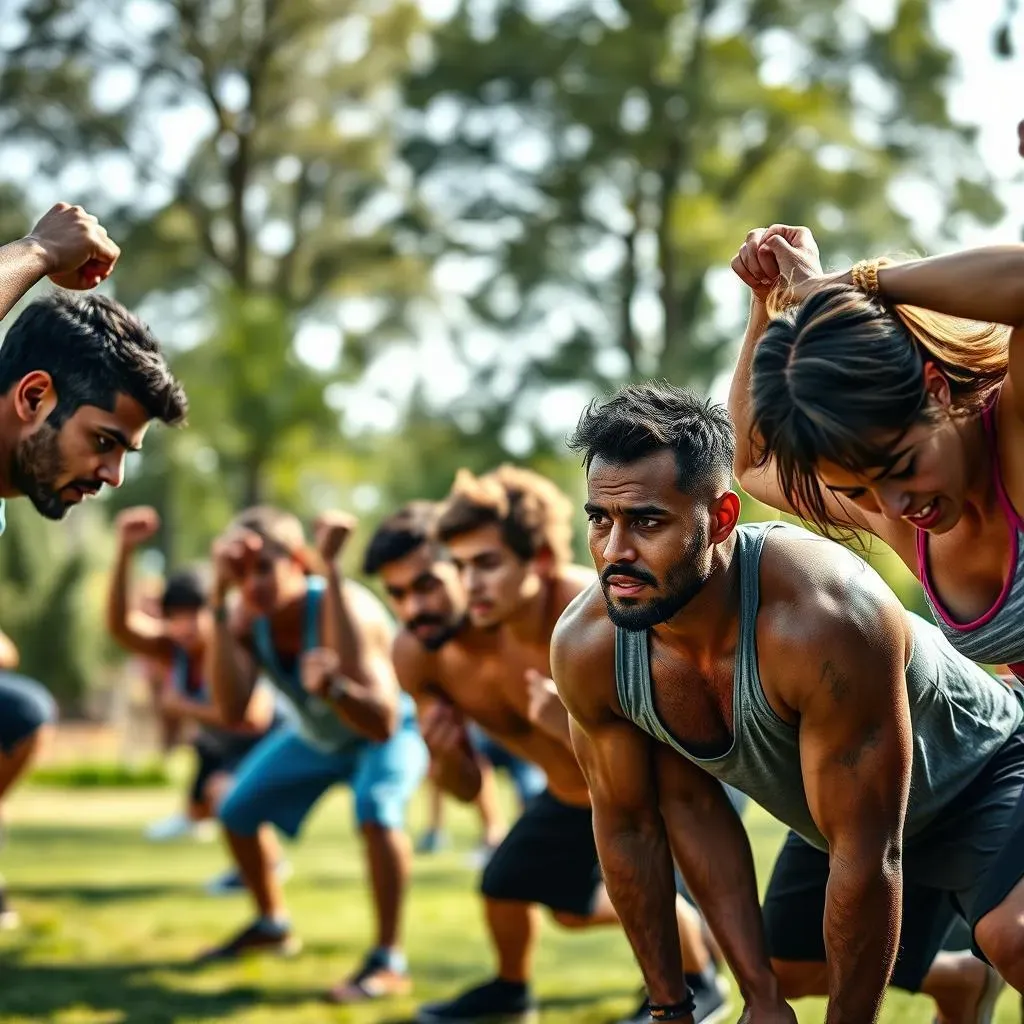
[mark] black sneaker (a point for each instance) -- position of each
(254, 938)
(496, 1002)
(710, 993)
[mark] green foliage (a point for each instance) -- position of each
(44, 604)
(102, 776)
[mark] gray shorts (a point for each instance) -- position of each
(962, 865)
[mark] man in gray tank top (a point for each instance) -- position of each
(779, 662)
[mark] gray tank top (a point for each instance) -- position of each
(961, 715)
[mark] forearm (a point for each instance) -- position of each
(117, 596)
(740, 404)
(363, 708)
(979, 284)
(862, 925)
(205, 714)
(637, 867)
(710, 844)
(227, 685)
(22, 264)
(341, 633)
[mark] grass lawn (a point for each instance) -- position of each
(110, 923)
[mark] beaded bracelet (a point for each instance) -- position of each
(865, 277)
(673, 1011)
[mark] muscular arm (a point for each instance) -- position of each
(455, 766)
(709, 844)
(230, 668)
(22, 265)
(856, 756)
(133, 629)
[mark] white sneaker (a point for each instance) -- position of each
(177, 826)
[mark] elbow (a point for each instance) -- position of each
(869, 864)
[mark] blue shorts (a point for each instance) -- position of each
(25, 706)
(281, 780)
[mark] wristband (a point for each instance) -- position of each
(673, 1011)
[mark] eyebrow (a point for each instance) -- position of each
(116, 435)
(637, 511)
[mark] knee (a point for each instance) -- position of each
(238, 813)
(571, 921)
(798, 979)
(1000, 936)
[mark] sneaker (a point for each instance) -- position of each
(496, 1002)
(432, 841)
(258, 937)
(231, 880)
(177, 826)
(710, 993)
(378, 977)
(9, 919)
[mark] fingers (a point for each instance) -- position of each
(442, 729)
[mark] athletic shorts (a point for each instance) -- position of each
(25, 706)
(214, 760)
(285, 775)
(963, 864)
(548, 857)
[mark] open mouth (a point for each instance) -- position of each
(625, 586)
(927, 517)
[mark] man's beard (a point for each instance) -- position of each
(683, 582)
(36, 465)
(447, 628)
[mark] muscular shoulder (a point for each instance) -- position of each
(823, 610)
(583, 655)
(415, 666)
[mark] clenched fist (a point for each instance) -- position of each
(135, 526)
(332, 531)
(233, 554)
(444, 729)
(779, 252)
(76, 247)
(318, 667)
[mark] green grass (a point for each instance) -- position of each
(111, 921)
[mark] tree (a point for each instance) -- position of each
(595, 167)
(277, 199)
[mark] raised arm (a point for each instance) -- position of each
(856, 753)
(768, 255)
(230, 666)
(133, 629)
(68, 245)
(455, 765)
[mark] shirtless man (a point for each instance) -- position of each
(777, 661)
(509, 534)
(424, 592)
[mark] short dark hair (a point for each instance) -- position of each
(531, 512)
(94, 349)
(655, 416)
(400, 534)
(185, 590)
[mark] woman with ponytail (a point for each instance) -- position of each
(889, 399)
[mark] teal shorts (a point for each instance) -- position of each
(285, 775)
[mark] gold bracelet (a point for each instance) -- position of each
(865, 277)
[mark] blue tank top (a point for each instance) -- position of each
(961, 716)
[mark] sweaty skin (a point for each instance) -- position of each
(483, 675)
(832, 643)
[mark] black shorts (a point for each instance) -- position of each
(25, 706)
(963, 864)
(213, 759)
(548, 857)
